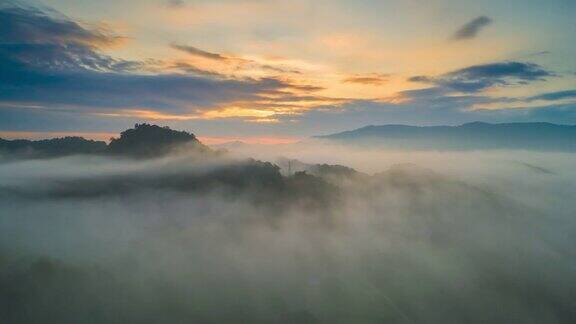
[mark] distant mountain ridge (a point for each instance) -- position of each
(470, 136)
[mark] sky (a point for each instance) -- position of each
(278, 71)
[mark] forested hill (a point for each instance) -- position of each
(471, 136)
(144, 140)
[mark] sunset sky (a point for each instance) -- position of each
(266, 70)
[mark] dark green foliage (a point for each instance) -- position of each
(142, 141)
(145, 140)
(312, 191)
(50, 147)
(259, 182)
(333, 170)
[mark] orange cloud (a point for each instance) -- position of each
(237, 112)
(370, 79)
(255, 140)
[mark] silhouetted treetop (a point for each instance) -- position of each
(145, 140)
(50, 147)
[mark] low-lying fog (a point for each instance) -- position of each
(414, 237)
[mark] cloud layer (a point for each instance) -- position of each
(58, 74)
(480, 77)
(460, 238)
(55, 63)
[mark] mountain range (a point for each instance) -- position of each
(470, 136)
(147, 141)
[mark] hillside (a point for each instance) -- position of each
(471, 136)
(145, 140)
(50, 147)
(142, 141)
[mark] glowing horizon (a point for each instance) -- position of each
(251, 68)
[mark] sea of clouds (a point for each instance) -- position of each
(414, 237)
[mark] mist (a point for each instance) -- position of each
(403, 237)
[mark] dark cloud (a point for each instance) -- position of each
(190, 68)
(371, 79)
(19, 23)
(25, 60)
(472, 28)
(421, 78)
(479, 77)
(54, 63)
(426, 93)
(32, 39)
(198, 52)
(171, 92)
(306, 87)
(558, 95)
(237, 61)
(518, 70)
(277, 68)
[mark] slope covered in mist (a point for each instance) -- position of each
(197, 237)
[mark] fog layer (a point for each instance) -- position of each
(410, 237)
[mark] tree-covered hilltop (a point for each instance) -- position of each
(143, 141)
(146, 140)
(50, 147)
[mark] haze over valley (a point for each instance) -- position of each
(302, 162)
(207, 235)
